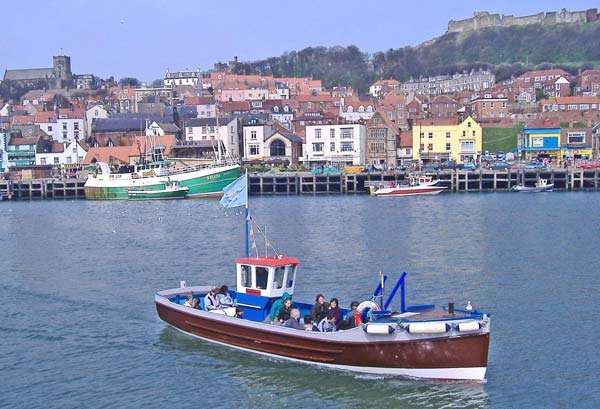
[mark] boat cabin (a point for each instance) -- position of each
(266, 276)
(262, 280)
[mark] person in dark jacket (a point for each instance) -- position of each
(285, 312)
(334, 312)
(319, 310)
(351, 318)
(294, 320)
(276, 307)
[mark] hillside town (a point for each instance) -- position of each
(68, 121)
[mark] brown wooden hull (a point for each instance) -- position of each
(464, 353)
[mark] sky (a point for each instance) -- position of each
(144, 38)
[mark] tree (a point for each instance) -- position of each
(157, 83)
(129, 82)
(61, 101)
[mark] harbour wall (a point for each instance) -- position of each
(306, 183)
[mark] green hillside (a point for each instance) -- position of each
(500, 139)
(507, 51)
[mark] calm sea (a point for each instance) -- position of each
(79, 328)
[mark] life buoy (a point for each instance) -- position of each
(367, 305)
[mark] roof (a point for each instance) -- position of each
(128, 122)
(270, 261)
(289, 136)
(23, 141)
(108, 154)
(571, 100)
(28, 74)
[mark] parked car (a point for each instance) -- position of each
(500, 155)
(499, 165)
(467, 166)
(535, 165)
(447, 165)
(590, 164)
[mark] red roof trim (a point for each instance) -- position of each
(267, 261)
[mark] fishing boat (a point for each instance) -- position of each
(167, 190)
(541, 185)
(416, 185)
(389, 338)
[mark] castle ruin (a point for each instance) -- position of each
(483, 19)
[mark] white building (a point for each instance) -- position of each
(95, 112)
(335, 145)
(173, 79)
(68, 126)
(255, 133)
(62, 154)
(206, 129)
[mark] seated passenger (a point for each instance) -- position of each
(327, 324)
(210, 300)
(351, 318)
(309, 325)
(334, 311)
(276, 308)
(188, 301)
(239, 312)
(196, 303)
(223, 298)
(319, 310)
(286, 311)
(294, 320)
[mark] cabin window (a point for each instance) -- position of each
(290, 276)
(262, 275)
(279, 277)
(245, 275)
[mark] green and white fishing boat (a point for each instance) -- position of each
(206, 180)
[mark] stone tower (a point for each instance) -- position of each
(61, 72)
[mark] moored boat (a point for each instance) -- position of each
(167, 190)
(541, 185)
(420, 341)
(416, 185)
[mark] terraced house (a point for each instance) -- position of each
(442, 139)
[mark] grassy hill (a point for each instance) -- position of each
(506, 50)
(500, 139)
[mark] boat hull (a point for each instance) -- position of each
(157, 194)
(424, 356)
(205, 182)
(533, 189)
(410, 191)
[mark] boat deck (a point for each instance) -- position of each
(430, 313)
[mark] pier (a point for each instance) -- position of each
(306, 183)
(455, 180)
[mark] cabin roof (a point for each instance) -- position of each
(270, 261)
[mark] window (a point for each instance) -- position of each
(332, 147)
(190, 130)
(64, 135)
(317, 147)
(447, 134)
(278, 277)
(575, 137)
(464, 133)
(42, 161)
(473, 133)
(56, 161)
(64, 126)
(347, 146)
(69, 160)
(467, 146)
(491, 105)
(430, 135)
(504, 104)
(421, 135)
(254, 149)
(483, 105)
(253, 135)
(278, 148)
(469, 124)
(377, 147)
(49, 128)
(537, 142)
(448, 146)
(318, 133)
(347, 133)
(332, 133)
(378, 133)
(246, 276)
(430, 147)
(76, 125)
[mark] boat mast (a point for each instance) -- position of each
(247, 217)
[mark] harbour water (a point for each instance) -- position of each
(79, 327)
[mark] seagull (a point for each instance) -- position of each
(469, 306)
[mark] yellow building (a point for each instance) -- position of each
(441, 140)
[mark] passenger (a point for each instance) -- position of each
(351, 318)
(327, 324)
(294, 320)
(319, 310)
(188, 301)
(239, 312)
(196, 303)
(210, 300)
(276, 308)
(335, 311)
(223, 297)
(309, 325)
(286, 311)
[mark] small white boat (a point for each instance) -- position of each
(541, 185)
(417, 185)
